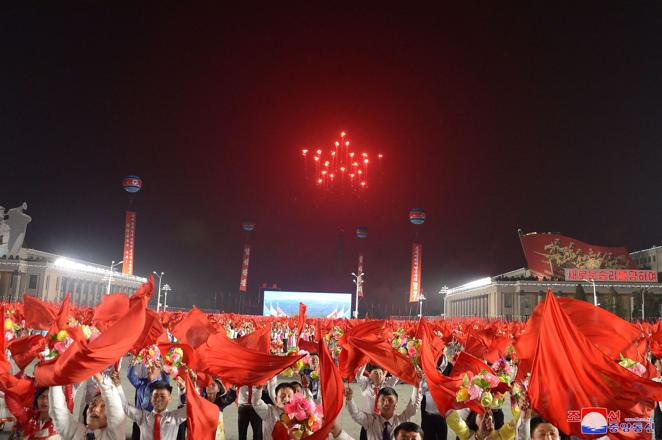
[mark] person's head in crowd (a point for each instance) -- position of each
(41, 401)
(153, 372)
(314, 361)
(297, 387)
(161, 395)
(214, 388)
(96, 413)
(657, 362)
(377, 375)
(408, 431)
(480, 423)
(541, 429)
(387, 402)
(284, 393)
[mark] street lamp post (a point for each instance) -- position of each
(642, 305)
(444, 291)
(595, 297)
(166, 289)
(110, 276)
(421, 298)
(358, 280)
(158, 295)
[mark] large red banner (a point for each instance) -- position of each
(243, 281)
(129, 242)
(415, 284)
(548, 255)
(359, 289)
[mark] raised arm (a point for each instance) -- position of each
(110, 395)
(63, 420)
(363, 381)
(227, 398)
(357, 415)
(261, 408)
(133, 376)
(414, 404)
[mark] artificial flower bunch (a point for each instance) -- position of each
(632, 366)
(150, 356)
(301, 417)
(173, 361)
(246, 328)
(332, 338)
(484, 387)
(11, 327)
(452, 348)
(406, 345)
(504, 370)
(59, 342)
(276, 345)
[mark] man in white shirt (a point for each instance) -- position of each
(370, 386)
(270, 414)
(105, 417)
(381, 426)
(158, 424)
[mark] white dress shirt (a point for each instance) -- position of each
(170, 421)
(374, 424)
(70, 429)
(368, 389)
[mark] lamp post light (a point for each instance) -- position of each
(158, 295)
(595, 297)
(166, 289)
(110, 276)
(358, 280)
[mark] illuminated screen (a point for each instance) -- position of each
(318, 304)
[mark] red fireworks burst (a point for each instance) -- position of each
(340, 165)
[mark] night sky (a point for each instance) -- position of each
(543, 117)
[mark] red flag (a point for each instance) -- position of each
(201, 414)
(375, 347)
(194, 329)
(239, 365)
(61, 318)
(437, 345)
(351, 359)
(332, 391)
(569, 373)
(151, 331)
(611, 334)
(83, 359)
(302, 319)
(259, 340)
(110, 310)
(25, 349)
(309, 346)
(442, 388)
(38, 314)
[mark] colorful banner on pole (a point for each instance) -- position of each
(244, 268)
(359, 289)
(548, 255)
(415, 285)
(129, 241)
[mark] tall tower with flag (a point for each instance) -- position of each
(132, 184)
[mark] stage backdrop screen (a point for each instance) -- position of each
(318, 304)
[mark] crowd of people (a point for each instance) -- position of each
(105, 409)
(290, 378)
